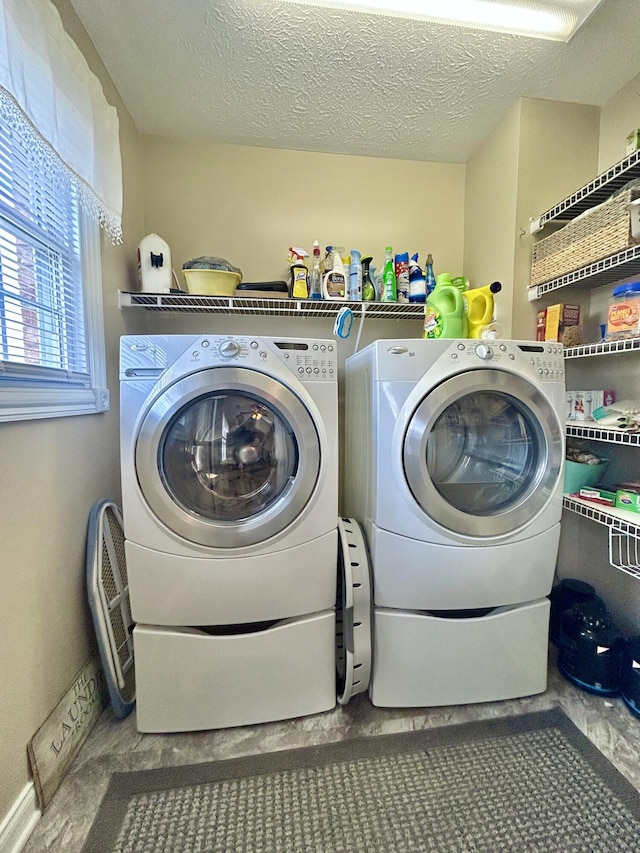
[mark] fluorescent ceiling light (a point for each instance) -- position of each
(557, 20)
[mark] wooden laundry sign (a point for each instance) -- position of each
(56, 743)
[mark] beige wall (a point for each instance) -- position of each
(619, 117)
(539, 153)
(250, 204)
(52, 472)
(557, 154)
(490, 202)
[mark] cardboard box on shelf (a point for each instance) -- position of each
(628, 500)
(599, 496)
(558, 318)
(633, 141)
(540, 324)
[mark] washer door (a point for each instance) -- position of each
(482, 453)
(227, 457)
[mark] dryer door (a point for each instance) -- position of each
(227, 457)
(483, 452)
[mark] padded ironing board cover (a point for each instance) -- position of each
(108, 590)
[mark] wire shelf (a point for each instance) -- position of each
(184, 302)
(624, 552)
(605, 271)
(624, 521)
(591, 194)
(603, 348)
(613, 436)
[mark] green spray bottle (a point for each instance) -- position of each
(389, 292)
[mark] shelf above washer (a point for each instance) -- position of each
(190, 303)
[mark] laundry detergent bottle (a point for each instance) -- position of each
(445, 315)
(479, 307)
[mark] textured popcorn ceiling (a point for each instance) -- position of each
(268, 73)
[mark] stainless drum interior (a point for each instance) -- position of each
(227, 457)
(482, 452)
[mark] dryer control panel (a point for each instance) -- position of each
(545, 358)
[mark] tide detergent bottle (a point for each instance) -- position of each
(445, 315)
(479, 307)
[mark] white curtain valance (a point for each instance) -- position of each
(47, 87)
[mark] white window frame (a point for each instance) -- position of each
(54, 394)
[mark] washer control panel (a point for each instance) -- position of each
(309, 359)
(545, 358)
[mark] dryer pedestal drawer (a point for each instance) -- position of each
(187, 679)
(420, 660)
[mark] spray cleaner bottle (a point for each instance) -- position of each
(315, 282)
(298, 273)
(389, 292)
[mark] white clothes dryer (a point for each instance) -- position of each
(229, 449)
(455, 455)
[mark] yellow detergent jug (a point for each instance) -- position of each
(479, 306)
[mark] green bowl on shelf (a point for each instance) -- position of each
(578, 475)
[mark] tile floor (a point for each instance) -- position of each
(115, 745)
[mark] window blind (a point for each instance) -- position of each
(41, 294)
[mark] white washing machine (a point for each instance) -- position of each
(229, 450)
(454, 454)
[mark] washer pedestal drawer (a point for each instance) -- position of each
(422, 660)
(189, 679)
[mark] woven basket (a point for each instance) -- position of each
(602, 231)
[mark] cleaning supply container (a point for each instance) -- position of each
(368, 288)
(417, 281)
(389, 284)
(445, 315)
(298, 273)
(479, 306)
(623, 318)
(334, 285)
(402, 276)
(429, 275)
(355, 277)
